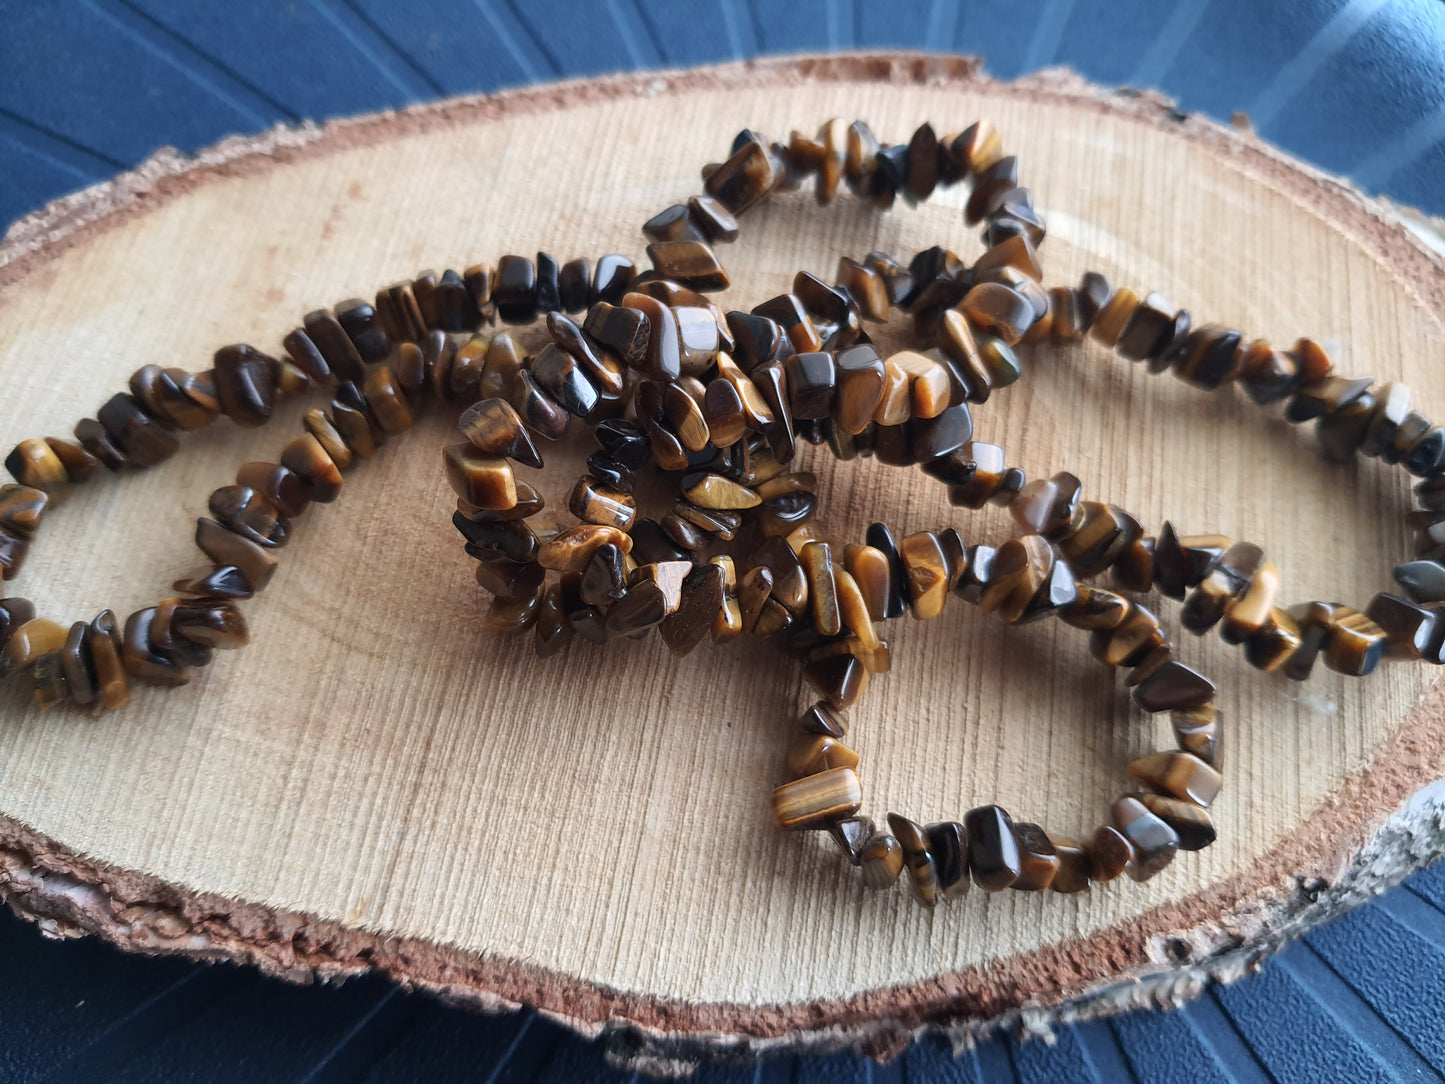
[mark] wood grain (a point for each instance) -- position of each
(378, 782)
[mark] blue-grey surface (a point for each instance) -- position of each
(89, 87)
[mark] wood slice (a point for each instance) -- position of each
(378, 783)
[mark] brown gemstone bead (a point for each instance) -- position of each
(256, 563)
(861, 379)
(754, 592)
(787, 311)
(716, 223)
(817, 561)
(697, 338)
(993, 850)
(839, 679)
(250, 514)
(672, 224)
(624, 330)
(225, 582)
(362, 326)
(1072, 874)
(1207, 357)
(816, 800)
(501, 366)
(687, 535)
(1095, 608)
(692, 263)
(1038, 860)
(896, 403)
(111, 679)
(1113, 315)
(1407, 627)
(561, 377)
(22, 507)
(592, 502)
(1026, 582)
(142, 659)
(483, 481)
(1245, 615)
(80, 465)
(28, 642)
(507, 616)
(14, 612)
(923, 872)
(929, 386)
(684, 417)
(514, 290)
(218, 625)
(1093, 294)
(1268, 375)
(865, 286)
(755, 408)
(400, 316)
(713, 491)
(989, 183)
(603, 367)
(386, 401)
(881, 860)
(852, 834)
(160, 393)
(1153, 842)
(1048, 507)
(142, 440)
(1271, 645)
(1104, 533)
(984, 479)
(307, 460)
(1109, 854)
(305, 355)
(948, 845)
(493, 426)
(1190, 823)
(542, 414)
(812, 384)
(927, 574)
(1181, 774)
(335, 346)
(997, 310)
(572, 549)
(1328, 394)
(1173, 686)
(1130, 642)
(723, 413)
(551, 632)
(872, 573)
(1229, 579)
(1355, 644)
(1150, 328)
(424, 286)
(812, 753)
(853, 610)
(702, 595)
(662, 356)
(75, 665)
(746, 177)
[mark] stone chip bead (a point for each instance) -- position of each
(1191, 823)
(714, 491)
(593, 502)
(1355, 644)
(1072, 874)
(922, 869)
(817, 561)
(28, 642)
(493, 426)
(307, 459)
(1408, 627)
(483, 481)
(1038, 860)
(816, 800)
(572, 549)
(881, 861)
(1048, 506)
(927, 574)
(1173, 686)
(690, 262)
(1182, 775)
(1151, 840)
(993, 850)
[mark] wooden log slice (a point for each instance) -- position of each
(378, 783)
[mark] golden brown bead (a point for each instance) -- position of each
(815, 800)
(1109, 324)
(307, 459)
(1073, 872)
(881, 860)
(1038, 860)
(926, 569)
(494, 426)
(1181, 774)
(570, 550)
(256, 563)
(716, 492)
(998, 310)
(929, 388)
(1109, 853)
(28, 642)
(817, 561)
(1152, 842)
(483, 481)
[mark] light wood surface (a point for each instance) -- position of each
(591, 832)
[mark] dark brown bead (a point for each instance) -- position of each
(1109, 854)
(686, 535)
(330, 338)
(424, 287)
(22, 508)
(307, 459)
(1273, 644)
(866, 288)
(508, 616)
(612, 279)
(551, 632)
(662, 357)
(540, 412)
(250, 514)
(160, 394)
(1407, 627)
(1093, 294)
(1392, 407)
(1130, 642)
(926, 574)
(75, 663)
(1150, 328)
(993, 850)
(1038, 860)
(305, 355)
(758, 339)
(723, 412)
(399, 313)
(1268, 375)
(1355, 644)
(839, 679)
(851, 834)
(625, 330)
(573, 283)
(812, 384)
(1183, 775)
(1174, 686)
(276, 484)
(787, 311)
(1326, 395)
(702, 597)
(881, 860)
(821, 300)
(1094, 609)
(95, 440)
(1190, 823)
(922, 163)
(479, 279)
(923, 871)
(754, 591)
(990, 182)
(773, 388)
(560, 375)
(549, 290)
(1153, 842)
(507, 578)
(1073, 872)
(1048, 507)
(716, 223)
(246, 384)
(1341, 432)
(225, 582)
(456, 308)
(998, 310)
(746, 177)
(142, 660)
(1207, 357)
(141, 439)
(880, 538)
(1229, 578)
(225, 547)
(13, 551)
(1101, 537)
(690, 262)
(364, 329)
(948, 844)
(493, 426)
(219, 625)
(722, 523)
(515, 290)
(105, 644)
(602, 366)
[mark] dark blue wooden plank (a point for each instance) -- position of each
(688, 34)
(993, 30)
(1106, 40)
(1067, 1059)
(801, 25)
(932, 1059)
(443, 1044)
